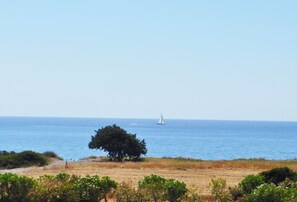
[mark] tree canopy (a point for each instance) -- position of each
(118, 143)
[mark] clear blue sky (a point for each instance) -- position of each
(187, 59)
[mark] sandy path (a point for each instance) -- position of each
(28, 169)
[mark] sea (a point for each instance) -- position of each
(199, 139)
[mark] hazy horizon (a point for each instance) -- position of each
(147, 118)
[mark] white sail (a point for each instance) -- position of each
(161, 120)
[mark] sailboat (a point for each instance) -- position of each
(161, 121)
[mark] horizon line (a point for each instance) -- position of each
(193, 119)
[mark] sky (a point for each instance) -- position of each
(223, 60)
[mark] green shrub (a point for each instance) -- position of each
(277, 175)
(219, 190)
(250, 182)
(15, 188)
(92, 188)
(271, 193)
(154, 185)
(55, 188)
(236, 192)
(125, 192)
(22, 159)
(193, 196)
(51, 154)
(288, 184)
(6, 152)
(174, 190)
(161, 189)
(107, 185)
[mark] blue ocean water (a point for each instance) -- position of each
(202, 139)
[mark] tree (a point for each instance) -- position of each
(118, 143)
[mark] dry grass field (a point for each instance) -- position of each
(196, 174)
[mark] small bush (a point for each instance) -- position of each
(236, 192)
(288, 184)
(92, 188)
(107, 185)
(51, 154)
(250, 182)
(154, 185)
(219, 190)
(277, 175)
(271, 193)
(6, 152)
(22, 159)
(15, 188)
(193, 196)
(161, 189)
(55, 188)
(174, 190)
(126, 193)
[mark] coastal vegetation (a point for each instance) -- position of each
(9, 160)
(64, 187)
(92, 188)
(118, 143)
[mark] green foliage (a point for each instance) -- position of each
(51, 154)
(55, 188)
(92, 188)
(250, 182)
(66, 188)
(219, 190)
(271, 193)
(22, 159)
(154, 185)
(288, 184)
(163, 189)
(15, 188)
(6, 152)
(277, 175)
(193, 196)
(107, 185)
(236, 192)
(127, 193)
(118, 143)
(174, 190)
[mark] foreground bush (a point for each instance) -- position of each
(174, 190)
(278, 175)
(15, 188)
(94, 188)
(275, 185)
(127, 193)
(250, 182)
(154, 186)
(271, 193)
(161, 189)
(71, 188)
(60, 188)
(55, 188)
(219, 190)
(22, 159)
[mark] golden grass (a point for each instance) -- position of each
(196, 174)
